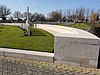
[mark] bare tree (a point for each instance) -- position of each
(73, 12)
(92, 11)
(55, 16)
(4, 12)
(93, 17)
(87, 14)
(64, 15)
(98, 11)
(24, 15)
(69, 14)
(61, 14)
(81, 14)
(73, 15)
(38, 17)
(77, 14)
(98, 14)
(17, 14)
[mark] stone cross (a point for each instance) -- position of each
(27, 22)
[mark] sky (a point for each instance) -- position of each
(46, 6)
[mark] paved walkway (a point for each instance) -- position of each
(66, 31)
(17, 66)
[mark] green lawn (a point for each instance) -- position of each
(62, 24)
(82, 26)
(13, 37)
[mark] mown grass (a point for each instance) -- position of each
(62, 24)
(82, 26)
(13, 37)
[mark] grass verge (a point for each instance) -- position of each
(82, 26)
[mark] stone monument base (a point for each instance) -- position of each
(82, 52)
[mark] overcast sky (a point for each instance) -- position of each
(45, 6)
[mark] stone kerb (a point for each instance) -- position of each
(40, 56)
(13, 24)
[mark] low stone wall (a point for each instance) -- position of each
(13, 24)
(77, 51)
(40, 56)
